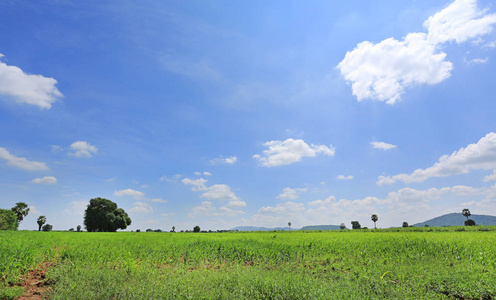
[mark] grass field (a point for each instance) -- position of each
(376, 264)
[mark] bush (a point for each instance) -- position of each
(405, 224)
(149, 230)
(72, 229)
(47, 227)
(196, 228)
(8, 220)
(469, 222)
(137, 230)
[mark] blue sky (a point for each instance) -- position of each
(228, 113)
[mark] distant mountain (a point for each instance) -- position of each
(457, 219)
(321, 227)
(254, 228)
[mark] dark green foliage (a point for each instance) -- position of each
(405, 224)
(355, 225)
(374, 219)
(78, 228)
(342, 226)
(47, 227)
(21, 210)
(8, 220)
(469, 222)
(103, 215)
(41, 220)
(466, 213)
(71, 229)
(137, 230)
(157, 230)
(149, 230)
(196, 228)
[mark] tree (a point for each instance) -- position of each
(71, 229)
(466, 213)
(355, 225)
(289, 224)
(21, 209)
(47, 227)
(8, 220)
(342, 226)
(405, 224)
(103, 215)
(41, 220)
(196, 228)
(374, 219)
(173, 228)
(149, 230)
(78, 228)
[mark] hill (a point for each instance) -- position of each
(321, 227)
(457, 219)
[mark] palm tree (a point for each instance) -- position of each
(466, 213)
(173, 228)
(41, 221)
(289, 224)
(374, 219)
(21, 209)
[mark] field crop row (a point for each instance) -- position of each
(253, 265)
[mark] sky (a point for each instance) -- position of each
(248, 113)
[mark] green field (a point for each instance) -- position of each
(375, 264)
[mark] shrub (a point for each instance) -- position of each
(47, 227)
(196, 228)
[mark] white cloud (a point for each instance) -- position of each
(45, 180)
(129, 192)
(460, 22)
(286, 152)
(382, 145)
(382, 71)
(343, 177)
(82, 149)
(236, 204)
(34, 210)
(207, 173)
(21, 162)
(219, 192)
(489, 45)
(290, 194)
(479, 156)
(198, 184)
(141, 207)
(224, 160)
(27, 88)
(158, 200)
(207, 209)
(476, 61)
(287, 209)
(491, 177)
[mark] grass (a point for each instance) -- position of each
(367, 264)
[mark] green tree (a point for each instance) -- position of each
(355, 225)
(8, 220)
(47, 227)
(21, 209)
(405, 224)
(466, 213)
(103, 215)
(41, 220)
(173, 228)
(470, 222)
(71, 229)
(289, 224)
(78, 228)
(374, 219)
(196, 228)
(342, 226)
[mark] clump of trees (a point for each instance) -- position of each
(466, 213)
(104, 215)
(355, 225)
(47, 227)
(8, 220)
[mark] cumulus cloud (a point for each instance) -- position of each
(198, 184)
(21, 162)
(45, 180)
(219, 192)
(141, 207)
(27, 88)
(82, 149)
(291, 194)
(476, 61)
(207, 209)
(382, 145)
(224, 160)
(343, 177)
(280, 153)
(382, 71)
(479, 156)
(129, 192)
(158, 200)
